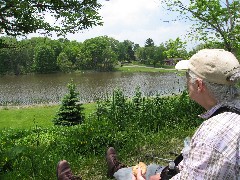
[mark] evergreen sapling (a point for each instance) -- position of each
(70, 112)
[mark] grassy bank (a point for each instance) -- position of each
(28, 117)
(137, 128)
(143, 68)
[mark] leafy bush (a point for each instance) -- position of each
(149, 114)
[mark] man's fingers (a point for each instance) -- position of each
(139, 171)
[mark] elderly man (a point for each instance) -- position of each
(214, 150)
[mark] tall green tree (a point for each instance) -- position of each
(44, 59)
(126, 51)
(98, 54)
(4, 61)
(18, 17)
(146, 55)
(149, 42)
(213, 20)
(175, 48)
(71, 111)
(160, 56)
(71, 49)
(64, 64)
(14, 57)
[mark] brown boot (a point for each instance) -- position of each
(64, 172)
(113, 164)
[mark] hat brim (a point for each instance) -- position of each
(182, 65)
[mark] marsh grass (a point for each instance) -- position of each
(136, 128)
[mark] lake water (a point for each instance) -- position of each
(50, 88)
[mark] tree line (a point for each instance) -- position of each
(44, 55)
(103, 53)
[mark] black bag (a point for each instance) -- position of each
(168, 172)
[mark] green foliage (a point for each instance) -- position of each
(147, 55)
(4, 61)
(22, 17)
(44, 59)
(64, 64)
(43, 55)
(13, 58)
(149, 114)
(71, 49)
(130, 125)
(71, 111)
(213, 20)
(98, 54)
(153, 55)
(175, 48)
(125, 51)
(149, 42)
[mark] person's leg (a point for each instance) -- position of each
(64, 171)
(153, 169)
(123, 174)
(126, 173)
(119, 171)
(112, 162)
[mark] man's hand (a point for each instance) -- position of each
(139, 175)
(155, 177)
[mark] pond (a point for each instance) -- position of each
(50, 88)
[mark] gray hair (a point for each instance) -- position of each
(221, 92)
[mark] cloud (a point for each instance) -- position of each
(135, 20)
(128, 13)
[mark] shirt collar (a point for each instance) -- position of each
(210, 112)
(234, 104)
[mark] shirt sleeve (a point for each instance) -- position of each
(204, 162)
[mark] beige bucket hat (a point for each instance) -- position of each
(213, 65)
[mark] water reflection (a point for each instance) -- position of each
(50, 88)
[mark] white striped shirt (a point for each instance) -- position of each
(214, 149)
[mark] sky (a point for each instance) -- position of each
(134, 20)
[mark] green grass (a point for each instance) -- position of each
(28, 117)
(133, 68)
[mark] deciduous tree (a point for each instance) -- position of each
(44, 59)
(18, 17)
(64, 64)
(97, 53)
(213, 20)
(175, 48)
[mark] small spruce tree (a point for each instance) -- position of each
(70, 112)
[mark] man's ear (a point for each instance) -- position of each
(200, 85)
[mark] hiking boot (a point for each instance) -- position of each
(113, 164)
(64, 172)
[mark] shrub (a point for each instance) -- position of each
(149, 114)
(71, 111)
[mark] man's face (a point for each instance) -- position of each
(191, 87)
(198, 92)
